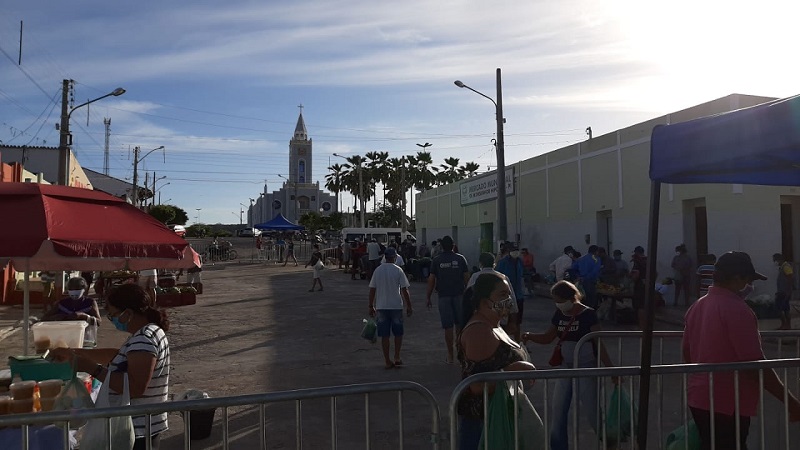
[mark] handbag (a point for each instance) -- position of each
(558, 358)
(94, 435)
(500, 433)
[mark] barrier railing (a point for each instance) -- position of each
(632, 372)
(781, 337)
(298, 396)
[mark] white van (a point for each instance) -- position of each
(382, 235)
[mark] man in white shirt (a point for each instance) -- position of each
(562, 263)
(148, 279)
(388, 292)
(398, 261)
(374, 256)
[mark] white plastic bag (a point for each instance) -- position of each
(319, 265)
(95, 433)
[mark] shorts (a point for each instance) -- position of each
(781, 302)
(390, 320)
(450, 310)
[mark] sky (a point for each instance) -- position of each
(218, 84)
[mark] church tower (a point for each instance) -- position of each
(300, 153)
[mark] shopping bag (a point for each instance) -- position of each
(94, 435)
(319, 265)
(618, 415)
(370, 330)
(500, 431)
(73, 396)
(677, 439)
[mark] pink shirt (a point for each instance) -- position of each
(720, 327)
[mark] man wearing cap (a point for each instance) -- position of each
(562, 263)
(388, 292)
(783, 295)
(374, 256)
(449, 276)
(721, 328)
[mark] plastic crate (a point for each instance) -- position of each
(37, 369)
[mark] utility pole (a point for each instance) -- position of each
(361, 192)
(136, 159)
(403, 226)
(64, 136)
(107, 123)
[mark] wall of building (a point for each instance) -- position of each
(598, 192)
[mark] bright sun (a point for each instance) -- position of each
(705, 46)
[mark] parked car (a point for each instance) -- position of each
(248, 232)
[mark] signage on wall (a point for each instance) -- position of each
(326, 206)
(481, 189)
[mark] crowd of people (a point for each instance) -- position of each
(480, 312)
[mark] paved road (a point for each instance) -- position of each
(257, 329)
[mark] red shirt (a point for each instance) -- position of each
(527, 261)
(720, 327)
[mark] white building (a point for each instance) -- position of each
(597, 192)
(299, 194)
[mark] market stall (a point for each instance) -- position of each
(61, 228)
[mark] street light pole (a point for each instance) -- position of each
(65, 138)
(502, 216)
(136, 160)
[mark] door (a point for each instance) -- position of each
(604, 230)
(787, 238)
(487, 237)
(700, 231)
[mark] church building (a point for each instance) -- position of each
(299, 194)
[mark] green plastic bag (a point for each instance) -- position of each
(618, 415)
(500, 435)
(678, 438)
(370, 330)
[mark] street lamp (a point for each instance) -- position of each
(360, 187)
(65, 138)
(159, 193)
(296, 205)
(502, 218)
(136, 161)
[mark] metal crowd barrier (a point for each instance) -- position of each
(298, 396)
(632, 372)
(781, 337)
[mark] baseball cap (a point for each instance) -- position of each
(390, 252)
(638, 249)
(737, 263)
(617, 252)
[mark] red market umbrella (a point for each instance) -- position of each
(47, 227)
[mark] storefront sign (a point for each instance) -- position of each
(474, 190)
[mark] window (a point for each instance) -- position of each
(303, 201)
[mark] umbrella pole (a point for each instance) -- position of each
(26, 310)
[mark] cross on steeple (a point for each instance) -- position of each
(301, 108)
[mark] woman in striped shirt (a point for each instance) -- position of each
(144, 357)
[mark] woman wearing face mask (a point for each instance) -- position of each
(144, 357)
(483, 346)
(571, 321)
(77, 306)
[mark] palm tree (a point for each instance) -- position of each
(351, 181)
(449, 172)
(426, 171)
(334, 182)
(378, 173)
(469, 169)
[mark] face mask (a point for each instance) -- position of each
(119, 325)
(503, 307)
(678, 253)
(748, 289)
(75, 293)
(565, 307)
(514, 254)
(777, 263)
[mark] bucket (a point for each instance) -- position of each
(200, 422)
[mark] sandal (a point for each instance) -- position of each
(389, 365)
(398, 362)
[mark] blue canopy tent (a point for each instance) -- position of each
(755, 145)
(278, 223)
